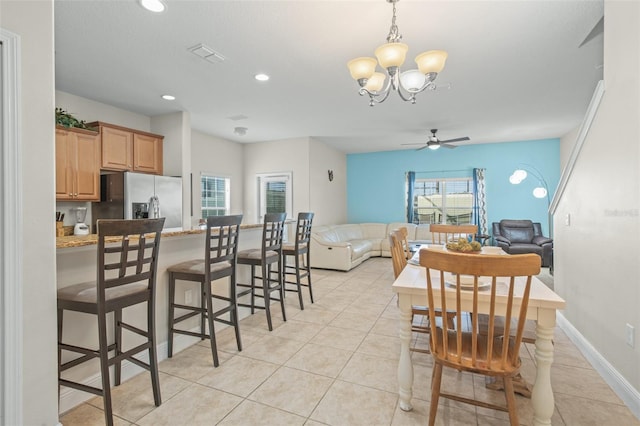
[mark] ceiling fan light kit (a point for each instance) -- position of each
(391, 56)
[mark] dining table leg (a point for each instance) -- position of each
(542, 394)
(405, 368)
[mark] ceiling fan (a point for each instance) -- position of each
(435, 143)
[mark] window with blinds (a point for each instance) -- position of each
(275, 193)
(215, 195)
(447, 201)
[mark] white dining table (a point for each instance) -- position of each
(411, 287)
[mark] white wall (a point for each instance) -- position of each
(176, 153)
(597, 268)
(290, 155)
(89, 110)
(328, 200)
(566, 145)
(33, 22)
(218, 157)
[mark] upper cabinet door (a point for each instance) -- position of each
(88, 167)
(77, 165)
(116, 149)
(147, 154)
(64, 167)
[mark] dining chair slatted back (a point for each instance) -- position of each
(493, 352)
(404, 234)
(265, 257)
(398, 254)
(441, 234)
(300, 252)
(220, 259)
(127, 262)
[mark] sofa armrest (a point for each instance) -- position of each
(539, 240)
(503, 240)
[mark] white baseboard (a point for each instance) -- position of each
(629, 395)
(71, 398)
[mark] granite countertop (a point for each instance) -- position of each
(92, 239)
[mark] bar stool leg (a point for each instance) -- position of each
(172, 296)
(117, 326)
(104, 367)
(153, 355)
(253, 289)
(203, 305)
(233, 314)
(308, 269)
(281, 288)
(212, 333)
(298, 281)
(266, 278)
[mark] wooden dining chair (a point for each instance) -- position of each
(126, 275)
(442, 234)
(490, 353)
(399, 252)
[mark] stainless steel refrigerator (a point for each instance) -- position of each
(131, 195)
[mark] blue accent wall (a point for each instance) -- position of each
(376, 180)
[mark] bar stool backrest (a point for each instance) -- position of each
(272, 232)
(303, 231)
(221, 241)
(127, 253)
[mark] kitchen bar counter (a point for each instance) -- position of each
(92, 239)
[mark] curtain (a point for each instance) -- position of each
(479, 201)
(411, 183)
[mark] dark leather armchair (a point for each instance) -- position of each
(523, 236)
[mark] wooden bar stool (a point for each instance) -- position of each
(220, 255)
(264, 257)
(127, 265)
(300, 251)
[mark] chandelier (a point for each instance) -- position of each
(391, 56)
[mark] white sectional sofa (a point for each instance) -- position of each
(343, 247)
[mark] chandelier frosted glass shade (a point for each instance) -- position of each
(412, 80)
(362, 68)
(375, 83)
(431, 61)
(391, 54)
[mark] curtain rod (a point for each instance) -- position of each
(441, 171)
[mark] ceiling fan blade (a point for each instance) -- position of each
(466, 138)
(420, 143)
(447, 145)
(422, 147)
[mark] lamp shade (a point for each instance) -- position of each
(539, 192)
(362, 67)
(431, 61)
(412, 80)
(391, 54)
(375, 82)
(520, 175)
(433, 145)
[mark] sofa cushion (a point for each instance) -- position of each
(359, 248)
(518, 235)
(348, 232)
(373, 231)
(522, 248)
(328, 234)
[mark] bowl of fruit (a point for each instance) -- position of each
(462, 245)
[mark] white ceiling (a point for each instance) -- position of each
(515, 68)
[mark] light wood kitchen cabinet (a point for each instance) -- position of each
(77, 164)
(130, 149)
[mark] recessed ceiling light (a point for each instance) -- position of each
(153, 5)
(168, 97)
(240, 131)
(261, 77)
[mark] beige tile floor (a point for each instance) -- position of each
(335, 363)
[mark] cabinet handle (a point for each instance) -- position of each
(71, 194)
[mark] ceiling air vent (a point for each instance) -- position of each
(207, 53)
